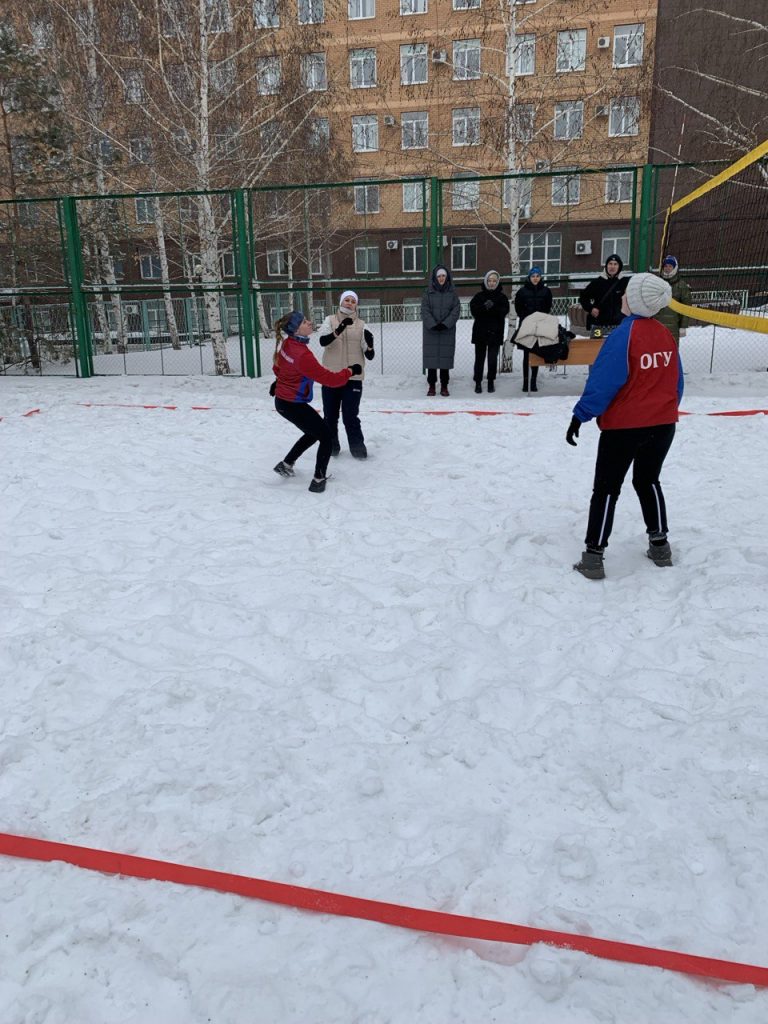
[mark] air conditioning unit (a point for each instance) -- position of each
(543, 165)
(131, 308)
(445, 240)
(602, 111)
(389, 121)
(583, 248)
(439, 57)
(392, 244)
(603, 42)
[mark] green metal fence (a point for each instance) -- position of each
(192, 282)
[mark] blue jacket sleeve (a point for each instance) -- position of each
(607, 376)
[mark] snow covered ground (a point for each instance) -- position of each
(398, 690)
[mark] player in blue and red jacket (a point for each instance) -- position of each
(634, 390)
(295, 369)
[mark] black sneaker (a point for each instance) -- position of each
(491, 387)
(318, 486)
(479, 389)
(284, 469)
(359, 451)
(591, 565)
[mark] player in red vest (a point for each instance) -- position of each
(634, 390)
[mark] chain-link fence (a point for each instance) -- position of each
(192, 283)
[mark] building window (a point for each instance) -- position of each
(628, 46)
(413, 256)
(523, 122)
(569, 120)
(615, 242)
(463, 253)
(362, 69)
(524, 187)
(180, 83)
(127, 26)
(265, 14)
(319, 132)
(624, 116)
(218, 16)
(228, 264)
(413, 64)
(311, 12)
(359, 9)
(466, 126)
(222, 75)
(413, 6)
(225, 143)
(618, 187)
(149, 267)
(268, 75)
(277, 262)
(465, 194)
(466, 59)
(367, 199)
(145, 211)
(313, 72)
(41, 30)
(318, 265)
(134, 87)
(365, 134)
(523, 56)
(366, 259)
(466, 5)
(414, 125)
(415, 196)
(541, 249)
(566, 190)
(118, 269)
(572, 50)
(140, 150)
(28, 215)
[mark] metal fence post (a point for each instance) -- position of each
(435, 249)
(244, 281)
(74, 260)
(646, 220)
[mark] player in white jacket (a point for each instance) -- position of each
(343, 335)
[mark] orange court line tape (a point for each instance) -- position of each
(416, 919)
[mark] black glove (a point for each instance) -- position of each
(346, 322)
(369, 353)
(356, 369)
(573, 431)
(368, 338)
(488, 303)
(273, 388)
(439, 327)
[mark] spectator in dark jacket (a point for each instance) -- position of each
(676, 323)
(440, 310)
(490, 308)
(602, 296)
(533, 297)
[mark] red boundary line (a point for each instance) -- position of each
(322, 902)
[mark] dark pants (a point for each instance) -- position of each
(534, 371)
(493, 360)
(643, 448)
(313, 428)
(445, 376)
(347, 401)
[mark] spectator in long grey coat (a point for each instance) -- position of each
(440, 309)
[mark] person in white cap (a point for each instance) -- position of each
(634, 389)
(343, 336)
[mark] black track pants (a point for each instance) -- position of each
(643, 448)
(493, 360)
(313, 428)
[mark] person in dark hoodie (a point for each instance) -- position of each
(440, 310)
(602, 296)
(533, 297)
(490, 308)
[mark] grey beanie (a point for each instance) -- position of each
(647, 294)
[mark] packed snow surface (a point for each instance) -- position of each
(398, 689)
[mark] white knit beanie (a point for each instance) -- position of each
(647, 294)
(349, 294)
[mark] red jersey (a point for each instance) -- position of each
(296, 368)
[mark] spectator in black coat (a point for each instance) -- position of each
(533, 297)
(490, 308)
(602, 296)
